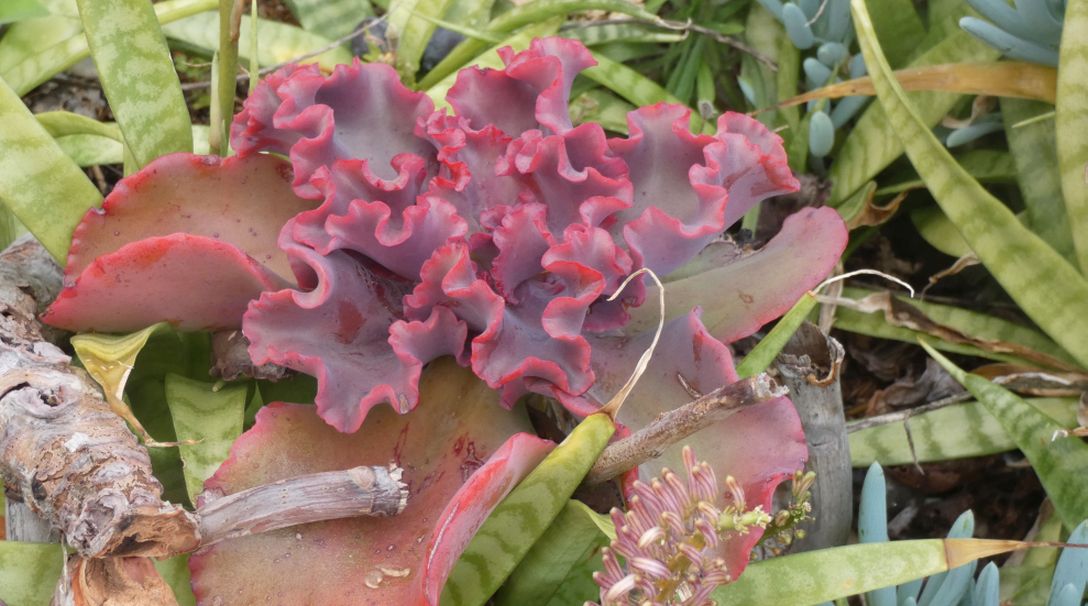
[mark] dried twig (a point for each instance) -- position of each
(903, 415)
(669, 428)
(360, 491)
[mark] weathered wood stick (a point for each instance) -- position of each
(360, 491)
(671, 427)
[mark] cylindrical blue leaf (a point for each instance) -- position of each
(796, 24)
(831, 53)
(967, 134)
(846, 108)
(810, 7)
(839, 24)
(1003, 15)
(1068, 596)
(1010, 45)
(816, 74)
(987, 589)
(775, 6)
(1072, 567)
(857, 66)
(873, 509)
(908, 592)
(1045, 26)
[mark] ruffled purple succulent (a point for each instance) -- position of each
(492, 232)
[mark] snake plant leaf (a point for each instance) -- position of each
(410, 32)
(330, 18)
(898, 27)
(28, 38)
(561, 563)
(39, 184)
(525, 514)
(137, 75)
(628, 83)
(40, 67)
(13, 11)
(954, 432)
(29, 572)
(279, 42)
(175, 571)
(815, 577)
(518, 17)
(1059, 462)
(1071, 122)
(1048, 289)
(603, 107)
(872, 144)
(207, 421)
(985, 165)
(1034, 150)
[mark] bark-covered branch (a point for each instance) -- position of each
(672, 427)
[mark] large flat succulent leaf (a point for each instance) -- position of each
(742, 292)
(187, 240)
(459, 458)
(192, 282)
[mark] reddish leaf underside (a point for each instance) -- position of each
(460, 453)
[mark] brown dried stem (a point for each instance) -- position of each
(360, 491)
(672, 427)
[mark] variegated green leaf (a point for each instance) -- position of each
(137, 74)
(935, 228)
(898, 27)
(954, 432)
(627, 83)
(872, 144)
(971, 323)
(595, 34)
(525, 514)
(279, 42)
(29, 572)
(560, 564)
(471, 13)
(28, 38)
(175, 571)
(1071, 122)
(13, 11)
(520, 16)
(815, 577)
(1034, 150)
(330, 18)
(224, 80)
(986, 165)
(1058, 461)
(768, 348)
(410, 32)
(1045, 286)
(518, 41)
(39, 184)
(207, 420)
(603, 107)
(38, 67)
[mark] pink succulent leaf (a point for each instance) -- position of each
(339, 333)
(192, 282)
(252, 130)
(533, 89)
(755, 288)
(240, 201)
(459, 460)
(573, 174)
(468, 179)
(689, 188)
(400, 244)
(362, 112)
(687, 350)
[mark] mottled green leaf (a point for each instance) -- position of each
(898, 27)
(208, 416)
(1058, 461)
(954, 432)
(473, 13)
(819, 576)
(12, 11)
(137, 74)
(872, 144)
(1034, 150)
(175, 571)
(1071, 121)
(525, 514)
(603, 107)
(593, 33)
(518, 41)
(39, 184)
(1045, 286)
(561, 562)
(28, 38)
(29, 572)
(410, 32)
(330, 18)
(627, 83)
(520, 16)
(279, 42)
(986, 165)
(764, 353)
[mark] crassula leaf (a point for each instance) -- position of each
(459, 461)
